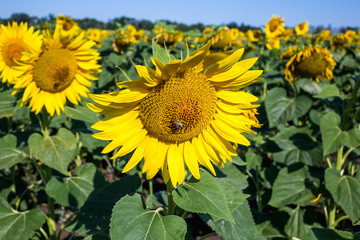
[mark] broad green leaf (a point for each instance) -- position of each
(311, 87)
(160, 53)
(158, 199)
(231, 182)
(327, 234)
(297, 146)
(345, 191)
(9, 154)
(280, 108)
(329, 91)
(295, 227)
(56, 151)
(291, 154)
(131, 220)
(333, 137)
(243, 226)
(289, 187)
(16, 225)
(91, 143)
(97, 237)
(94, 216)
(74, 191)
(268, 230)
(202, 196)
(7, 103)
(81, 113)
(253, 159)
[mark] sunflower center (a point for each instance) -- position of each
(274, 26)
(55, 70)
(312, 66)
(67, 24)
(12, 51)
(180, 107)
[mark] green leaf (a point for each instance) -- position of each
(268, 230)
(333, 137)
(297, 146)
(81, 113)
(130, 220)
(74, 191)
(202, 196)
(18, 225)
(345, 191)
(289, 187)
(9, 154)
(281, 109)
(91, 143)
(7, 103)
(231, 182)
(329, 91)
(97, 237)
(295, 227)
(253, 159)
(326, 234)
(56, 151)
(94, 216)
(243, 226)
(161, 53)
(158, 199)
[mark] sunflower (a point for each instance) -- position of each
(126, 36)
(273, 43)
(302, 28)
(57, 71)
(220, 39)
(274, 27)
(288, 53)
(340, 41)
(254, 35)
(287, 34)
(67, 26)
(323, 36)
(14, 40)
(311, 62)
(183, 113)
(167, 37)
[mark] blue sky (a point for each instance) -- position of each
(255, 12)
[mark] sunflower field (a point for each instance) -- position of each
(211, 133)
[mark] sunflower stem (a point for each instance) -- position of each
(51, 217)
(332, 214)
(340, 160)
(171, 204)
(46, 123)
(208, 235)
(345, 124)
(151, 191)
(9, 124)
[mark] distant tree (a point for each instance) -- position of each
(90, 23)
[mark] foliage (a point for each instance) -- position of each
(299, 178)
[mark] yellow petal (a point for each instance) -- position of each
(159, 159)
(235, 71)
(148, 75)
(191, 159)
(195, 58)
(202, 155)
(175, 162)
(229, 134)
(225, 64)
(136, 157)
(237, 97)
(131, 144)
